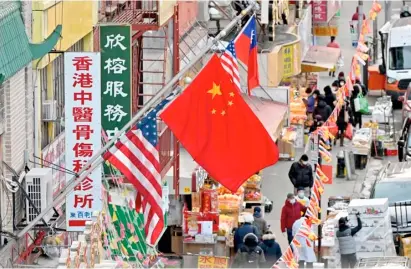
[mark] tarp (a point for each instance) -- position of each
(320, 59)
(271, 114)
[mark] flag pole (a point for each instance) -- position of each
(97, 160)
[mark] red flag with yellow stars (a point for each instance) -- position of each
(218, 129)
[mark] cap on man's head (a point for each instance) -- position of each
(304, 158)
(257, 209)
(290, 196)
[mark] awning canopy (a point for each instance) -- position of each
(320, 59)
(271, 114)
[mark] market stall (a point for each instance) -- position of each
(212, 213)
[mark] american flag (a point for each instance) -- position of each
(230, 64)
(137, 158)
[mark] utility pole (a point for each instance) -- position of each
(360, 17)
(375, 40)
(387, 10)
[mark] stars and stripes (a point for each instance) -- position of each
(135, 155)
(230, 64)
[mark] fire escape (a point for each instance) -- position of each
(150, 51)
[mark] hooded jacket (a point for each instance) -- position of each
(345, 238)
(341, 123)
(301, 175)
(250, 255)
(323, 110)
(329, 97)
(290, 214)
(241, 232)
(260, 223)
(272, 250)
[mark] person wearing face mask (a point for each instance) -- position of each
(301, 175)
(290, 213)
(301, 198)
(346, 241)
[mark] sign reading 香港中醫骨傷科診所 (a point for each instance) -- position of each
(82, 134)
(116, 109)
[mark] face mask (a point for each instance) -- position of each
(341, 83)
(292, 201)
(304, 162)
(301, 195)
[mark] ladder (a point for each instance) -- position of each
(152, 65)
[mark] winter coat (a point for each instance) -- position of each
(329, 99)
(323, 110)
(305, 252)
(301, 175)
(310, 104)
(241, 232)
(345, 238)
(242, 258)
(272, 250)
(260, 223)
(290, 214)
(341, 121)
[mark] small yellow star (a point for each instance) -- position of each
(213, 111)
(223, 113)
(215, 90)
(231, 94)
(230, 103)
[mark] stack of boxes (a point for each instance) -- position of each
(375, 239)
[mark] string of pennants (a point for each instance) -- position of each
(290, 256)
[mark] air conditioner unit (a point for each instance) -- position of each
(49, 110)
(39, 187)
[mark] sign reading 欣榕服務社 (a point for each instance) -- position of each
(83, 134)
(115, 48)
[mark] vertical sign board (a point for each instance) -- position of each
(320, 12)
(115, 47)
(83, 133)
(288, 59)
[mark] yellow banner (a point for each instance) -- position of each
(288, 52)
(212, 262)
(325, 30)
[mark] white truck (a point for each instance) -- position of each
(394, 73)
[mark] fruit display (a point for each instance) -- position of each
(226, 224)
(253, 182)
(222, 190)
(252, 195)
(298, 118)
(229, 202)
(289, 134)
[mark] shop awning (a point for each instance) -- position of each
(320, 59)
(271, 114)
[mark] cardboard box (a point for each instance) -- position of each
(373, 233)
(380, 245)
(405, 247)
(369, 207)
(371, 222)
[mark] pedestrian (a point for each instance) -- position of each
(272, 250)
(335, 86)
(333, 44)
(250, 254)
(356, 15)
(329, 97)
(322, 108)
(246, 228)
(347, 242)
(306, 255)
(341, 79)
(259, 221)
(310, 104)
(301, 175)
(290, 213)
(357, 114)
(344, 118)
(364, 90)
(301, 198)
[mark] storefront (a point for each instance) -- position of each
(325, 16)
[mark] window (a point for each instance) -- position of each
(45, 138)
(58, 85)
(400, 58)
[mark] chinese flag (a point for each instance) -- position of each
(218, 129)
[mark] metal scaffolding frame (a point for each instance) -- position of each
(97, 159)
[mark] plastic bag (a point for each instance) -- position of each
(364, 105)
(349, 132)
(340, 62)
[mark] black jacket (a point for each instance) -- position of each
(301, 175)
(323, 110)
(272, 252)
(341, 119)
(329, 99)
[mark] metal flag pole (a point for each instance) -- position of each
(97, 160)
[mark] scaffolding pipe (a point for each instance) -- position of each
(97, 160)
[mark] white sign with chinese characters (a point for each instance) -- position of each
(83, 134)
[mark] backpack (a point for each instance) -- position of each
(251, 256)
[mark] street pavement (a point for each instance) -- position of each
(276, 183)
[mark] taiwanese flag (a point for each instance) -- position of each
(219, 130)
(246, 50)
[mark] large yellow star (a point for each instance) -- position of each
(215, 90)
